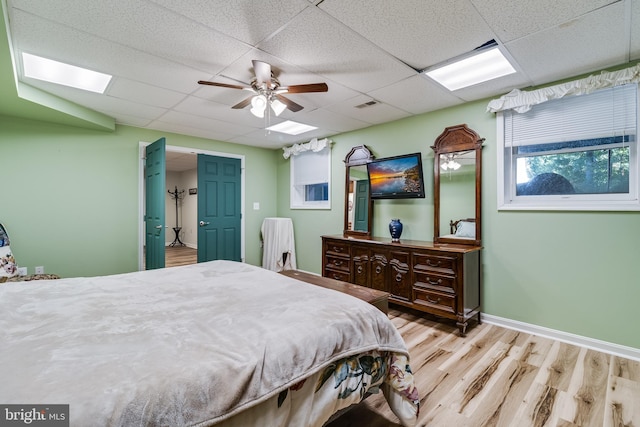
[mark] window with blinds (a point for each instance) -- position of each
(311, 180)
(573, 153)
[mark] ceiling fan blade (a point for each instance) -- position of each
(243, 104)
(289, 103)
(204, 82)
(311, 87)
(263, 72)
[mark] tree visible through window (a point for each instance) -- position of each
(577, 152)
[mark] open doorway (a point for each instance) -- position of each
(181, 208)
(182, 172)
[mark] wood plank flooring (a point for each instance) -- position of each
(500, 377)
(180, 255)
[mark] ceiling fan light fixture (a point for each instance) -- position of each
(258, 105)
(277, 107)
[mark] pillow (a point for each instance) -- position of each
(8, 267)
(466, 229)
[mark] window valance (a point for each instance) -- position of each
(314, 145)
(522, 101)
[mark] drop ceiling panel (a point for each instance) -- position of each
(54, 41)
(157, 50)
(418, 32)
(514, 19)
(416, 95)
(246, 20)
(146, 27)
(578, 46)
(315, 41)
(144, 93)
(378, 113)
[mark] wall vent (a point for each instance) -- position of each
(367, 104)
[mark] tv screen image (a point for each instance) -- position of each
(398, 177)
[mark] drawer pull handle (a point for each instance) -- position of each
(378, 270)
(335, 276)
(360, 269)
(398, 277)
(337, 263)
(433, 301)
(337, 249)
(434, 282)
(432, 263)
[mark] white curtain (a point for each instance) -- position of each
(522, 101)
(314, 145)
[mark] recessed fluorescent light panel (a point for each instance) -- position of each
(291, 128)
(487, 65)
(60, 73)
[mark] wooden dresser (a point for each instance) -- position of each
(441, 279)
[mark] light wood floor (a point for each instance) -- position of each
(180, 255)
(499, 377)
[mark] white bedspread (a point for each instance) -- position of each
(177, 346)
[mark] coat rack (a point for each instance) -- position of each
(177, 196)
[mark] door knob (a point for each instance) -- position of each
(203, 223)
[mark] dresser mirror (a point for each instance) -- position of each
(457, 186)
(358, 206)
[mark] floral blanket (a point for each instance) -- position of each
(192, 345)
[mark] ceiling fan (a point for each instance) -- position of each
(267, 91)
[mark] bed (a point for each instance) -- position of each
(462, 229)
(216, 343)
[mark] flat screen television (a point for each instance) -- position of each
(398, 177)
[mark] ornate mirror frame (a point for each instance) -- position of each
(457, 139)
(358, 156)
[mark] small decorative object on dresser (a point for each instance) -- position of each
(395, 228)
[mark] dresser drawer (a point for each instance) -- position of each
(337, 263)
(334, 247)
(440, 282)
(436, 301)
(442, 263)
(337, 275)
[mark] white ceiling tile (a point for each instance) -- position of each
(179, 118)
(416, 95)
(421, 33)
(54, 41)
(157, 50)
(518, 18)
(148, 94)
(378, 113)
(316, 42)
(582, 45)
(147, 27)
(246, 20)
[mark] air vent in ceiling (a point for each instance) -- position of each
(367, 104)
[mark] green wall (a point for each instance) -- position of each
(70, 202)
(569, 271)
(71, 197)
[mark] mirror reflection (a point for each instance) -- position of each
(358, 199)
(358, 207)
(457, 193)
(457, 186)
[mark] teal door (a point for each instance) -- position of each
(361, 196)
(155, 177)
(219, 208)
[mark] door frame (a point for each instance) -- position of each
(194, 151)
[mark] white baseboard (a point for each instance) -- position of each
(594, 344)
